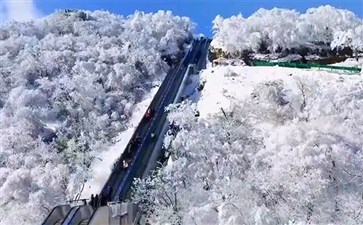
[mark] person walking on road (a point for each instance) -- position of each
(96, 202)
(126, 163)
(92, 201)
(130, 147)
(149, 113)
(109, 194)
(137, 139)
(153, 136)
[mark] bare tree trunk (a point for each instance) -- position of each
(310, 212)
(335, 183)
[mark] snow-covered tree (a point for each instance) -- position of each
(68, 83)
(290, 153)
(206, 176)
(279, 29)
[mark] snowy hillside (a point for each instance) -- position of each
(68, 86)
(286, 150)
(278, 30)
(351, 62)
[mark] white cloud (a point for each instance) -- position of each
(19, 10)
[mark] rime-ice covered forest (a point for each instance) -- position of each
(270, 145)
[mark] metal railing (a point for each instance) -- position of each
(306, 66)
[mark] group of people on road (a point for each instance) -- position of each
(95, 201)
(148, 116)
(135, 142)
(99, 200)
(130, 150)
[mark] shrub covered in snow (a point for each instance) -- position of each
(277, 30)
(68, 84)
(290, 153)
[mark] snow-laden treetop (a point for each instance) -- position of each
(284, 28)
(68, 85)
(162, 25)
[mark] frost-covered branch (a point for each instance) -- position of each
(278, 30)
(68, 86)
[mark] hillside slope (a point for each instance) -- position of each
(286, 150)
(68, 86)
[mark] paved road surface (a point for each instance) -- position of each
(121, 179)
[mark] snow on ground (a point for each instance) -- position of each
(227, 83)
(101, 167)
(224, 84)
(351, 62)
(190, 91)
(276, 154)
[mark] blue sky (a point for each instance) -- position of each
(200, 11)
